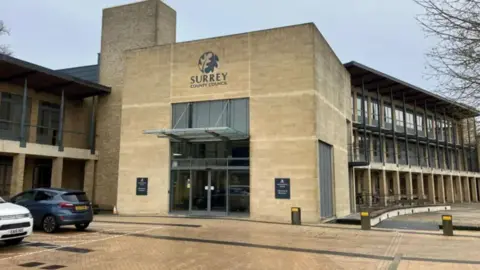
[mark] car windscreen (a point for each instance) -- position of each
(75, 197)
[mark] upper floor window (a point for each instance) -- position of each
(375, 113)
(399, 123)
(430, 130)
(410, 123)
(387, 116)
(11, 115)
(440, 127)
(449, 132)
(420, 125)
(360, 109)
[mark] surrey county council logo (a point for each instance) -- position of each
(208, 63)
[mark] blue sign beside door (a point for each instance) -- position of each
(142, 186)
(282, 188)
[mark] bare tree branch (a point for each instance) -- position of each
(4, 49)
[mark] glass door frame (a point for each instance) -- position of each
(208, 211)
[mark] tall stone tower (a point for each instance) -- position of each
(132, 26)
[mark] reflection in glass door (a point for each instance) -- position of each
(200, 191)
(218, 191)
(181, 190)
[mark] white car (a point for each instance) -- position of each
(16, 223)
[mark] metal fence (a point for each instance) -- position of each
(366, 201)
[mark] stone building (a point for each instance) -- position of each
(245, 125)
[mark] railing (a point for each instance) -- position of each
(10, 130)
(210, 162)
(356, 153)
(366, 201)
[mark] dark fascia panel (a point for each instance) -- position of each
(365, 70)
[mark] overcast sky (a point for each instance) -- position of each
(381, 34)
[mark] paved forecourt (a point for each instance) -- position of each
(185, 243)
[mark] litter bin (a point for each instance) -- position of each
(296, 216)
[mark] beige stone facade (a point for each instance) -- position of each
(287, 109)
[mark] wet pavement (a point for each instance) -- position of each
(177, 243)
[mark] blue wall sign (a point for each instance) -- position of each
(142, 186)
(282, 188)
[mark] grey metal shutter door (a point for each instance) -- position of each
(326, 182)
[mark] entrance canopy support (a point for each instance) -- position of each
(199, 134)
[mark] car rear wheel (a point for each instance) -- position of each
(49, 224)
(82, 227)
(13, 242)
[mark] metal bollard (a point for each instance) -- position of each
(365, 220)
(296, 216)
(447, 224)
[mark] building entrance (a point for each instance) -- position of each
(209, 192)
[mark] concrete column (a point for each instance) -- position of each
(449, 189)
(409, 185)
(367, 187)
(88, 178)
(353, 195)
(440, 189)
(459, 191)
(466, 189)
(420, 187)
(18, 172)
(358, 181)
(57, 171)
(396, 185)
(473, 184)
(431, 189)
(383, 188)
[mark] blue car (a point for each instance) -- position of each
(55, 207)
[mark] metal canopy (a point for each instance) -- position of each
(199, 134)
(42, 79)
(373, 79)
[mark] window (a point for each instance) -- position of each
(389, 151)
(401, 153)
(75, 197)
(48, 123)
(23, 197)
(353, 107)
(420, 130)
(440, 126)
(412, 154)
(399, 123)
(387, 116)
(375, 113)
(44, 196)
(449, 133)
(359, 110)
(410, 123)
(431, 156)
(376, 149)
(11, 115)
(431, 133)
(232, 113)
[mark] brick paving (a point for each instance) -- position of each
(177, 243)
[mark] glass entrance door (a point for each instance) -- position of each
(209, 192)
